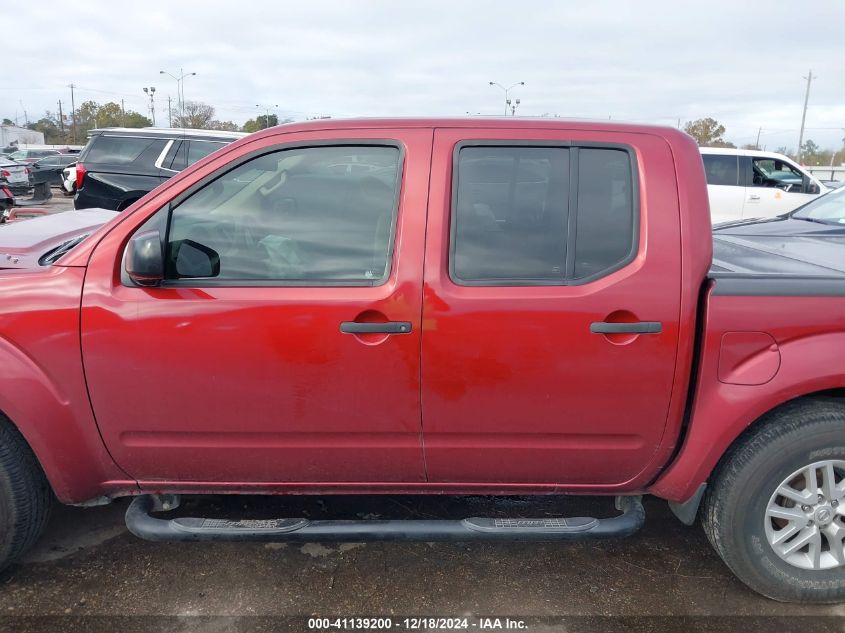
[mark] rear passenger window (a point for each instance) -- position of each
(604, 231)
(294, 217)
(201, 149)
(118, 149)
(721, 170)
(541, 215)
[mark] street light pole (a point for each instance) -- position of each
(507, 97)
(180, 88)
(266, 113)
(151, 91)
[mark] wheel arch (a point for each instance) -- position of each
(50, 410)
(708, 444)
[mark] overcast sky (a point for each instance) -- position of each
(655, 61)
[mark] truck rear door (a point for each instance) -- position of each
(551, 302)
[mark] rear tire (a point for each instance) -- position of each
(25, 496)
(798, 449)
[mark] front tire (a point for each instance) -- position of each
(775, 510)
(25, 496)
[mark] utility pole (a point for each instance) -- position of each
(61, 120)
(169, 112)
(757, 142)
(809, 79)
(122, 113)
(72, 113)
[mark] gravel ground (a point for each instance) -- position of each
(87, 564)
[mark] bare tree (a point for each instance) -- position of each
(195, 114)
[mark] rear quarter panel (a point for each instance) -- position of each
(809, 335)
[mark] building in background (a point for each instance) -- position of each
(11, 135)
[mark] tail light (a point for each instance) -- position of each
(80, 175)
(28, 170)
(5, 173)
(7, 192)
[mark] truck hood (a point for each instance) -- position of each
(808, 251)
(23, 243)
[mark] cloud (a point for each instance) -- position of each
(657, 61)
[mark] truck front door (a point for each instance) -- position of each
(297, 360)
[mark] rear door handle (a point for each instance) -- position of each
(643, 327)
(391, 327)
(753, 196)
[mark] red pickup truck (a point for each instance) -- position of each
(435, 306)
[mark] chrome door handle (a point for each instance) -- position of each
(753, 196)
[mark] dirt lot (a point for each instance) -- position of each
(89, 565)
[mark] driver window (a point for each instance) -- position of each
(773, 173)
(317, 215)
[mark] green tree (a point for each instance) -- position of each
(707, 132)
(135, 119)
(8, 122)
(264, 121)
(47, 125)
(810, 152)
(251, 126)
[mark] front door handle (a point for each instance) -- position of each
(643, 327)
(390, 327)
(754, 197)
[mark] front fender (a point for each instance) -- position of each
(809, 363)
(42, 387)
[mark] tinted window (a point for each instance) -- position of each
(721, 170)
(176, 157)
(605, 213)
(290, 216)
(511, 216)
(118, 149)
(201, 149)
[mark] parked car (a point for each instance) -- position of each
(14, 175)
(50, 168)
(38, 241)
(479, 307)
(811, 238)
(120, 165)
(32, 155)
(7, 201)
(69, 180)
(745, 184)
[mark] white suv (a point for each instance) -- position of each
(751, 184)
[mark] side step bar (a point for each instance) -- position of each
(141, 524)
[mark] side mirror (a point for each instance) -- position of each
(143, 260)
(810, 186)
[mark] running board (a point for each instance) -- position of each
(141, 524)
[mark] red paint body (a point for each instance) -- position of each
(497, 389)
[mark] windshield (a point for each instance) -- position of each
(829, 208)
